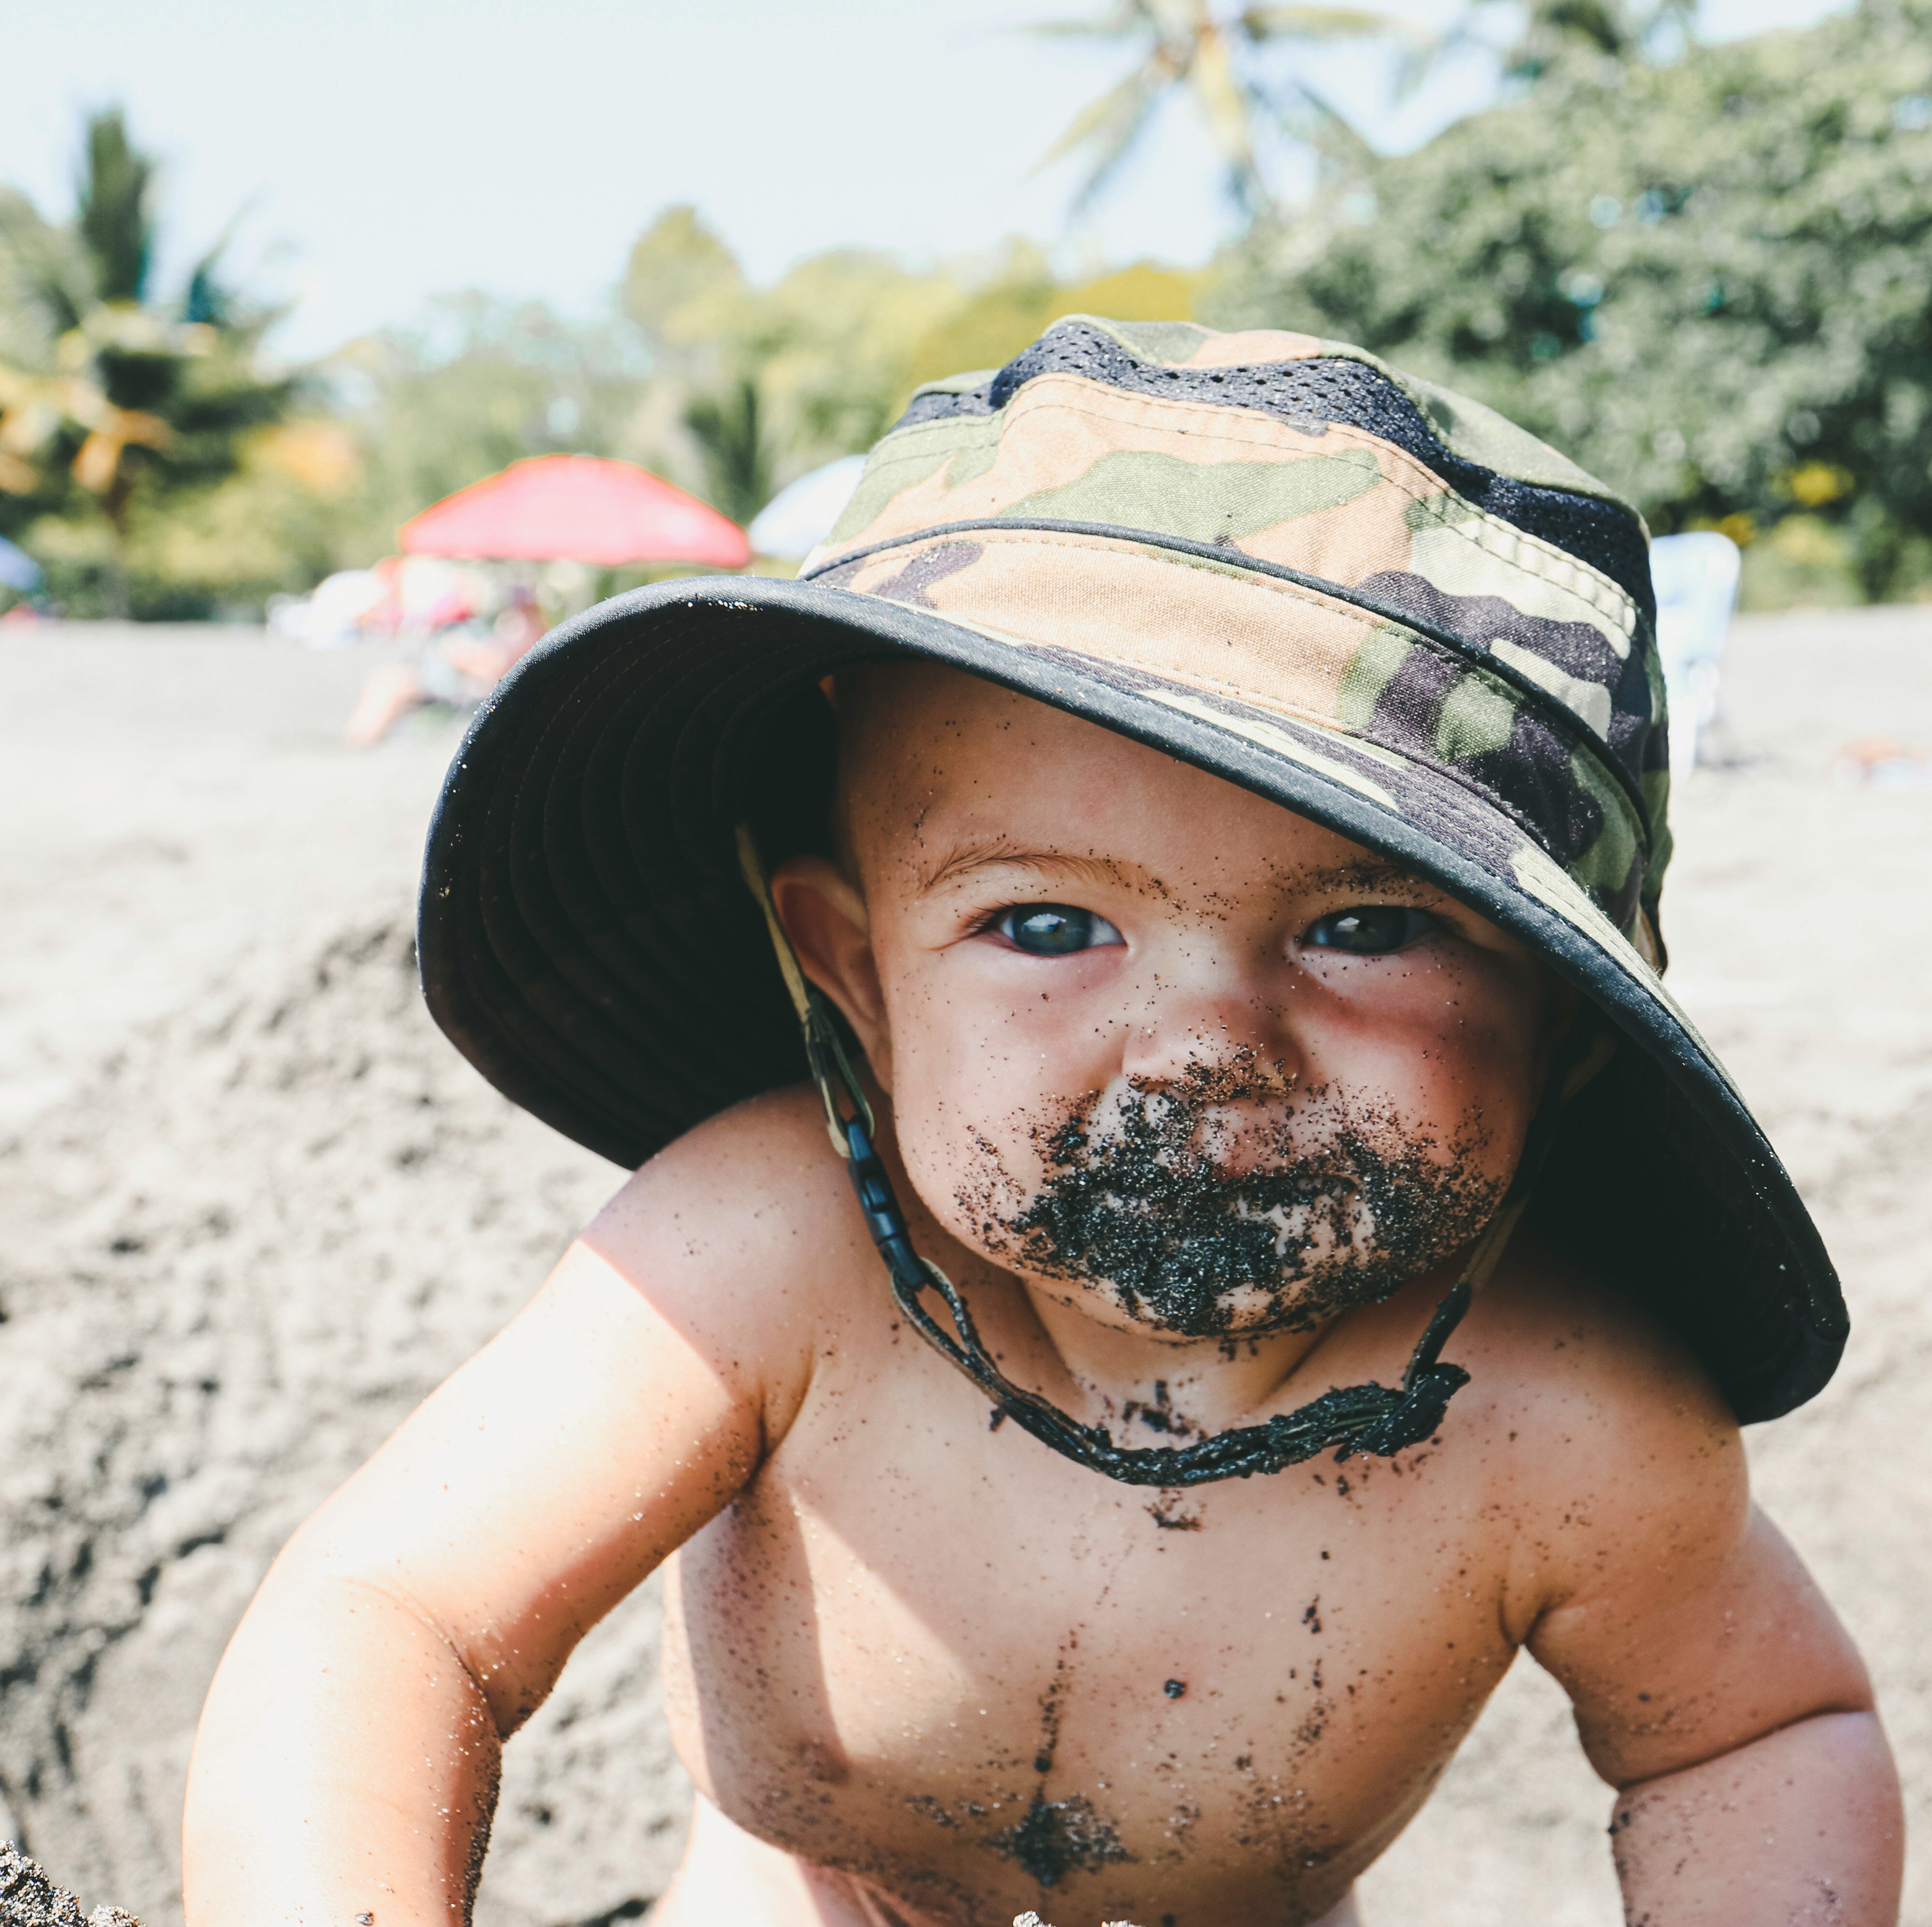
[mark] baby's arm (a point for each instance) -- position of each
(1714, 1687)
(346, 1760)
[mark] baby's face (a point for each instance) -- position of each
(1161, 1048)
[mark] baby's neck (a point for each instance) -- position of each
(1195, 1385)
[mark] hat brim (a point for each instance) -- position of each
(586, 939)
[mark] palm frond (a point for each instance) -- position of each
(1127, 17)
(59, 278)
(1336, 140)
(1216, 55)
(1119, 145)
(1422, 53)
(730, 429)
(208, 299)
(1317, 23)
(1115, 117)
(1228, 107)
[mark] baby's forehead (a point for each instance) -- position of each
(882, 706)
(946, 732)
(939, 770)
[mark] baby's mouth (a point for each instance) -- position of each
(1199, 1213)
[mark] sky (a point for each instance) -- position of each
(377, 152)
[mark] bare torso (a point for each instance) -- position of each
(928, 1674)
(932, 1656)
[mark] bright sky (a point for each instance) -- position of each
(387, 150)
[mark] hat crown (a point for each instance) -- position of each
(1503, 620)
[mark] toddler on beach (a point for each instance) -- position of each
(1192, 839)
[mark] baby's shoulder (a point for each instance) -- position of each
(752, 1201)
(743, 1236)
(1601, 1426)
(1580, 1361)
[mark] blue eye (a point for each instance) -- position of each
(1055, 929)
(1369, 930)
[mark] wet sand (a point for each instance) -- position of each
(252, 1207)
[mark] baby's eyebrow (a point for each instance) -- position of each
(1001, 853)
(1363, 873)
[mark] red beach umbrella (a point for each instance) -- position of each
(577, 509)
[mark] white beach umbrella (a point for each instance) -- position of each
(800, 516)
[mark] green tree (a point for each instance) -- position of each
(113, 406)
(751, 386)
(1709, 280)
(1557, 34)
(113, 215)
(729, 428)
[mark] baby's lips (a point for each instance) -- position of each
(1234, 1141)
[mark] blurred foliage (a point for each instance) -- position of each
(118, 414)
(730, 389)
(751, 386)
(112, 217)
(1708, 279)
(480, 384)
(1560, 33)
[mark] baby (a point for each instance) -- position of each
(1284, 1252)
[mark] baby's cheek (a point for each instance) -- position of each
(1479, 1089)
(959, 1097)
(971, 1171)
(967, 1189)
(1452, 1057)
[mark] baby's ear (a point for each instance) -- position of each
(825, 916)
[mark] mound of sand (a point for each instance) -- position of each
(233, 1263)
(256, 1208)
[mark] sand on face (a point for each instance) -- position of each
(252, 1207)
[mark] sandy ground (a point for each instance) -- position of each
(251, 1208)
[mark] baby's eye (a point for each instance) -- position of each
(1055, 929)
(1369, 930)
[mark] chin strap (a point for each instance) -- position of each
(1370, 1418)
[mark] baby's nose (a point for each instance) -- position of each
(1215, 1051)
(1227, 1072)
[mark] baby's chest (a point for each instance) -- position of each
(1064, 1669)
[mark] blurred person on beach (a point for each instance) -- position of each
(1193, 838)
(458, 668)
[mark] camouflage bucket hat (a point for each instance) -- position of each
(1375, 602)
